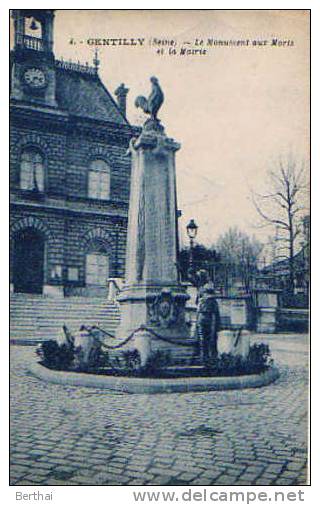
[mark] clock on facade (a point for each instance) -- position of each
(35, 77)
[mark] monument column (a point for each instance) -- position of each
(152, 296)
(151, 242)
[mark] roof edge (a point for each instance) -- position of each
(113, 100)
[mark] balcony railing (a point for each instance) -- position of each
(30, 42)
(76, 67)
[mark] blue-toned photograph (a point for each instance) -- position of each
(159, 247)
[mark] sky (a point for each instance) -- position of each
(234, 110)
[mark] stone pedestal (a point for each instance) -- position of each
(267, 320)
(266, 310)
(53, 291)
(152, 296)
(114, 286)
(231, 343)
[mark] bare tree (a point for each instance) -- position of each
(241, 253)
(282, 206)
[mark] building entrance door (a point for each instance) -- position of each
(28, 262)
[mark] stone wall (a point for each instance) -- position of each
(64, 208)
(81, 151)
(67, 158)
(235, 312)
(50, 225)
(67, 245)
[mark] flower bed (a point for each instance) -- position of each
(128, 363)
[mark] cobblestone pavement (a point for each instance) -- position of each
(83, 436)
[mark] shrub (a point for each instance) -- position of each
(259, 358)
(227, 364)
(102, 360)
(55, 356)
(129, 363)
(156, 361)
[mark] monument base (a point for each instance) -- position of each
(154, 316)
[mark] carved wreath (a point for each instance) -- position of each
(163, 309)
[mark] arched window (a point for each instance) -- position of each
(99, 180)
(32, 170)
(97, 264)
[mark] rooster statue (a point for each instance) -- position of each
(154, 102)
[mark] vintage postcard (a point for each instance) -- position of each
(159, 251)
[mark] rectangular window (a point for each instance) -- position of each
(99, 185)
(93, 184)
(39, 176)
(56, 272)
(73, 274)
(97, 269)
(32, 171)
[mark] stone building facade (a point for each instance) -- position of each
(69, 171)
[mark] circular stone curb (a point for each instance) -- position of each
(144, 385)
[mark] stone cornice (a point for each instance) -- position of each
(86, 125)
(68, 208)
(33, 117)
(159, 143)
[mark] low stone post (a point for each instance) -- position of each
(235, 342)
(266, 301)
(142, 342)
